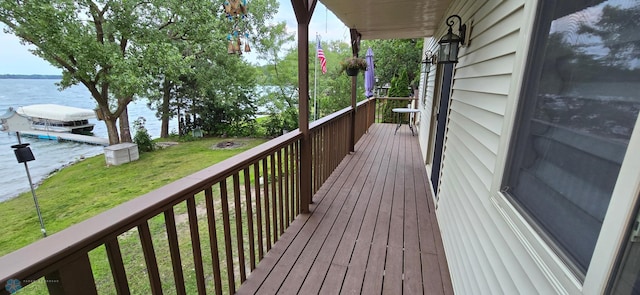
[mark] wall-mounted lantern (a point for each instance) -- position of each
(428, 60)
(450, 43)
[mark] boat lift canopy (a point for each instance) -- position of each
(56, 112)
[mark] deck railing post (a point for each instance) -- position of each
(73, 278)
(355, 49)
(303, 11)
(352, 135)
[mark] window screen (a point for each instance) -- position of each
(580, 102)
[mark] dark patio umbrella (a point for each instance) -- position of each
(369, 75)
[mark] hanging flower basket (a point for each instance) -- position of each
(353, 65)
(352, 71)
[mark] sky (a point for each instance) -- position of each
(15, 58)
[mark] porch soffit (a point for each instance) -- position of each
(390, 19)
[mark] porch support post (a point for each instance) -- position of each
(355, 49)
(304, 10)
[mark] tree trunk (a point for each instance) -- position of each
(125, 131)
(166, 96)
(110, 123)
(112, 131)
(180, 120)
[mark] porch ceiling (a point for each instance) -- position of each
(390, 19)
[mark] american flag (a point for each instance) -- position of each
(323, 60)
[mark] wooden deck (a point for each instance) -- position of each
(372, 229)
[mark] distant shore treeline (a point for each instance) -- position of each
(11, 76)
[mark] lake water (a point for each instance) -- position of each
(51, 155)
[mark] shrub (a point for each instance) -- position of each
(399, 88)
(142, 138)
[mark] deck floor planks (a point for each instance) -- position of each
(330, 230)
(372, 228)
(413, 281)
(343, 232)
(359, 256)
(356, 259)
(374, 273)
(393, 270)
(271, 259)
(326, 195)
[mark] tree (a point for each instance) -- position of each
(227, 87)
(106, 46)
(394, 56)
(279, 80)
(617, 28)
(334, 88)
(206, 46)
(399, 88)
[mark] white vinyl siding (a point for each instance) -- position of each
(425, 104)
(484, 253)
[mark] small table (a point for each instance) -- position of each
(399, 111)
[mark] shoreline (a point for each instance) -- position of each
(53, 172)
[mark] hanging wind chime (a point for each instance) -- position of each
(236, 11)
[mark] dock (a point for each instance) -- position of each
(66, 137)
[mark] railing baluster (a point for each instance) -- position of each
(256, 176)
(327, 150)
(213, 240)
(280, 194)
(118, 272)
(286, 186)
(314, 162)
(249, 204)
(297, 145)
(343, 150)
(337, 129)
(320, 164)
(267, 214)
(195, 244)
(150, 258)
(239, 235)
(274, 196)
(298, 178)
(292, 184)
(332, 147)
(320, 155)
(174, 249)
(337, 148)
(227, 235)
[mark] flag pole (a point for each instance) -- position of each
(315, 82)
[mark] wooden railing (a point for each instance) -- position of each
(329, 142)
(201, 234)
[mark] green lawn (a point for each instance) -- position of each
(90, 187)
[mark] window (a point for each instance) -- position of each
(579, 104)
